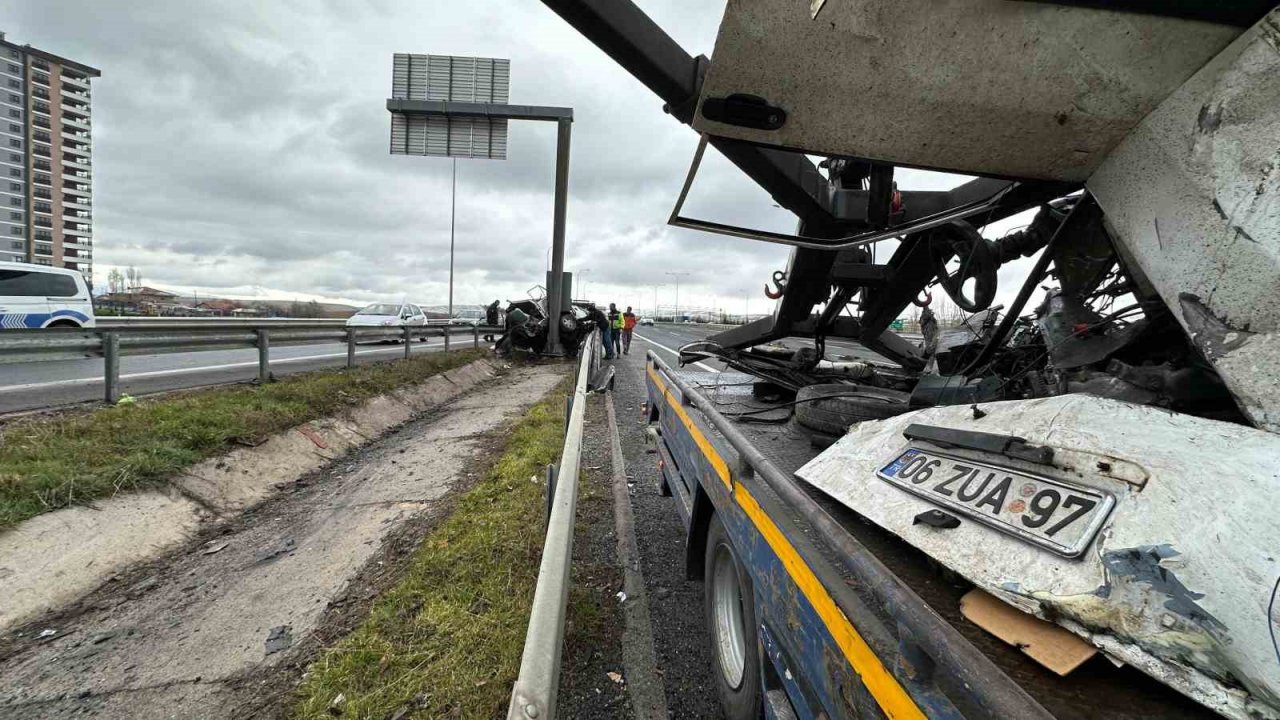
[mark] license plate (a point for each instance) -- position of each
(1059, 516)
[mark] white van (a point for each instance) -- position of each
(35, 296)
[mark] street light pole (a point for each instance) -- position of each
(677, 276)
(453, 214)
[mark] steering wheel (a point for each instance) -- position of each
(978, 261)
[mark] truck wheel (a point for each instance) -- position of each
(832, 408)
(731, 619)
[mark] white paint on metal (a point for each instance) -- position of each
(456, 79)
(1193, 194)
(1203, 488)
(1034, 90)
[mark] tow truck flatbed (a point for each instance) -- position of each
(847, 651)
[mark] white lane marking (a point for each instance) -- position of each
(704, 366)
(184, 371)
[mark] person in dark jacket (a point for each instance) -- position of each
(602, 324)
(615, 328)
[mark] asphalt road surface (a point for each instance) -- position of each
(53, 383)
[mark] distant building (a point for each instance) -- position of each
(145, 300)
(46, 159)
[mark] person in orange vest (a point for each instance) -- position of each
(628, 324)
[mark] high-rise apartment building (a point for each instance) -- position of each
(46, 159)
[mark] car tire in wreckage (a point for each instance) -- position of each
(829, 409)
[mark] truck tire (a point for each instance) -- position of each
(731, 624)
(831, 408)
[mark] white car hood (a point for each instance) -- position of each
(1177, 582)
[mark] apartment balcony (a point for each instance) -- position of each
(43, 180)
(40, 64)
(76, 191)
(76, 203)
(44, 250)
(44, 165)
(75, 82)
(41, 122)
(42, 193)
(83, 97)
(81, 137)
(40, 92)
(41, 150)
(84, 231)
(75, 149)
(77, 163)
(82, 245)
(40, 78)
(76, 122)
(74, 109)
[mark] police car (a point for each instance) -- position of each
(34, 296)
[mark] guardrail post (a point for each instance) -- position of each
(351, 348)
(408, 340)
(111, 366)
(264, 357)
(446, 338)
(475, 329)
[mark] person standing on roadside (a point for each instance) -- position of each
(615, 327)
(628, 326)
(606, 333)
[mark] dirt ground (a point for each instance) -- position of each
(223, 627)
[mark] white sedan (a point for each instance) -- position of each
(389, 315)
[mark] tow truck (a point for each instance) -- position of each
(1064, 507)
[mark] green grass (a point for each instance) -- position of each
(76, 457)
(446, 641)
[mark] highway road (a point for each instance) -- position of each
(54, 383)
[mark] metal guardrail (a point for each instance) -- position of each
(110, 342)
(534, 695)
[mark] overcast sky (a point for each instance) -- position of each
(241, 148)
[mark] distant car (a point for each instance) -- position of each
(646, 321)
(35, 296)
(389, 315)
(468, 322)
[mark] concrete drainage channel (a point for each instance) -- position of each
(187, 634)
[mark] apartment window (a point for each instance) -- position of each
(40, 92)
(15, 157)
(17, 245)
(43, 180)
(46, 261)
(44, 249)
(15, 99)
(44, 222)
(42, 107)
(16, 202)
(40, 78)
(15, 231)
(15, 216)
(15, 187)
(17, 84)
(14, 68)
(44, 207)
(15, 128)
(43, 193)
(43, 165)
(14, 142)
(41, 136)
(15, 172)
(15, 113)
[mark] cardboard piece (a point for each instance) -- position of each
(1056, 648)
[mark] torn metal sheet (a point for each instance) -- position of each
(1177, 583)
(1193, 193)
